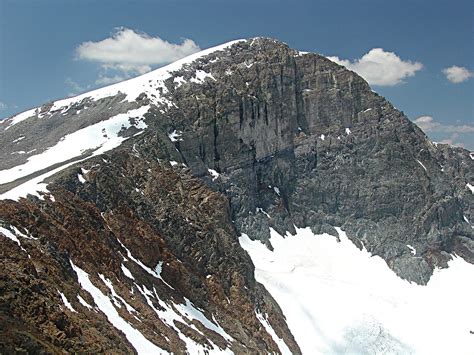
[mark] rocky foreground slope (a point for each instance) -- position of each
(121, 208)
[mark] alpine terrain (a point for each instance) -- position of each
(247, 199)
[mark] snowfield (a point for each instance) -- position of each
(338, 299)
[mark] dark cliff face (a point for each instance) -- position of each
(291, 140)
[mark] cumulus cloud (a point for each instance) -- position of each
(381, 68)
(457, 74)
(457, 135)
(428, 124)
(128, 53)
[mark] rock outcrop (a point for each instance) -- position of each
(252, 136)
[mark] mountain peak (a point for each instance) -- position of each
(136, 200)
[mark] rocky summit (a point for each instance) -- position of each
(123, 209)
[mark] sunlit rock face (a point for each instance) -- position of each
(122, 209)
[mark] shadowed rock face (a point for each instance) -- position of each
(296, 140)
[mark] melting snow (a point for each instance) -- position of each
(339, 299)
(322, 136)
(348, 131)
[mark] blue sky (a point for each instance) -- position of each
(40, 62)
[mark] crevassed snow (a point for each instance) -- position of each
(268, 327)
(66, 302)
(339, 299)
(141, 344)
(132, 88)
(101, 137)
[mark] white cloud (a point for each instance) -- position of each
(107, 80)
(461, 135)
(381, 68)
(130, 53)
(457, 74)
(428, 124)
(3, 105)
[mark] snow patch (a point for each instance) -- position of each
(200, 76)
(83, 302)
(412, 250)
(213, 173)
(419, 162)
(470, 187)
(175, 136)
(268, 327)
(127, 272)
(141, 344)
(66, 302)
(11, 236)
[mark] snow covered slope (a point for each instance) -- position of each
(96, 138)
(341, 300)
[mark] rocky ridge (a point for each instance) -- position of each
(250, 136)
